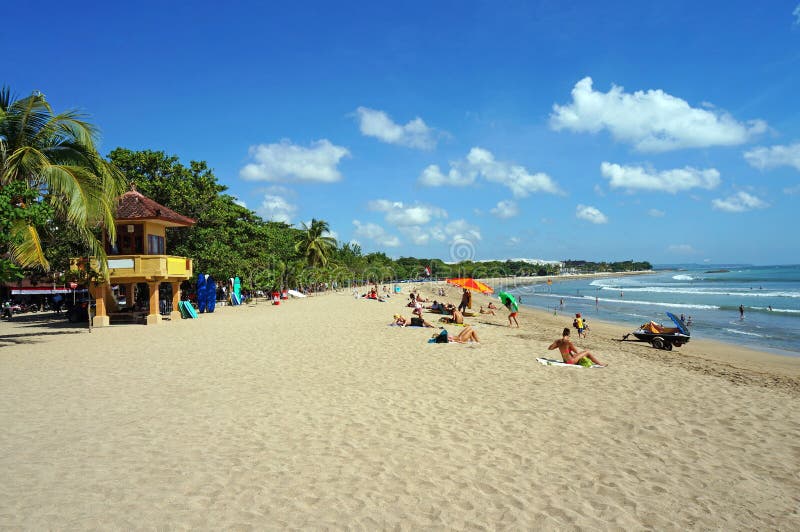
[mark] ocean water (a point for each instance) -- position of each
(770, 296)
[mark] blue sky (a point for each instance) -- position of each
(661, 131)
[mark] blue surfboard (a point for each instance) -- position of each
(211, 294)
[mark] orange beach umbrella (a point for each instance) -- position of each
(471, 284)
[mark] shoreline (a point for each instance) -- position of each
(708, 351)
(776, 351)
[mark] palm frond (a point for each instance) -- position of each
(25, 246)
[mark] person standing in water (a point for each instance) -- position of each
(741, 312)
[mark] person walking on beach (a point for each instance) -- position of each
(570, 354)
(579, 324)
(512, 314)
(741, 312)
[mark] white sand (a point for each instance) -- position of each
(316, 414)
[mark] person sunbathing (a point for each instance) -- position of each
(570, 354)
(490, 311)
(456, 317)
(436, 307)
(399, 320)
(413, 322)
(467, 335)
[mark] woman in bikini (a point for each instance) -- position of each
(466, 335)
(569, 353)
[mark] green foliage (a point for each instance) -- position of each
(54, 157)
(229, 240)
(315, 244)
(582, 266)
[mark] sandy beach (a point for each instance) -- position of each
(316, 414)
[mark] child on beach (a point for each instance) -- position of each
(570, 354)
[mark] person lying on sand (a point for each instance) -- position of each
(490, 311)
(436, 307)
(413, 322)
(570, 354)
(399, 320)
(467, 335)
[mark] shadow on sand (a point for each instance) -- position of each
(25, 328)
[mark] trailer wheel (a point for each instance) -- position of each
(658, 342)
(668, 346)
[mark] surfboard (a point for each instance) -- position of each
(201, 292)
(188, 308)
(211, 294)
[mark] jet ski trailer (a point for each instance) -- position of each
(662, 337)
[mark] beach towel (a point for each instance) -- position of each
(552, 362)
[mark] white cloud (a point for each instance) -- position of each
(791, 191)
(513, 241)
(275, 208)
(672, 181)
(432, 176)
(505, 209)
(399, 214)
(376, 233)
(796, 14)
(681, 249)
(590, 214)
(480, 162)
(462, 230)
(652, 121)
(455, 231)
(239, 202)
(739, 202)
(415, 134)
(285, 161)
(655, 213)
(763, 157)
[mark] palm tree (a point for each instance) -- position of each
(315, 244)
(54, 156)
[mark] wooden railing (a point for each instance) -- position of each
(147, 266)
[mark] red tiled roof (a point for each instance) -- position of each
(134, 206)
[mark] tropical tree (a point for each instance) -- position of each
(315, 243)
(54, 159)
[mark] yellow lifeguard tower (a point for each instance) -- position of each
(139, 255)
